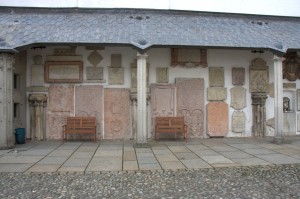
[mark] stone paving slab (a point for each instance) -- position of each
(80, 154)
(179, 149)
(5, 167)
(236, 154)
(129, 156)
(259, 151)
(216, 159)
(162, 152)
(279, 159)
(147, 160)
(254, 161)
(53, 160)
(64, 169)
(41, 168)
(172, 165)
(186, 156)
(37, 151)
(112, 153)
(130, 166)
(245, 146)
(21, 159)
(166, 158)
(149, 166)
(195, 164)
(223, 148)
(60, 152)
(206, 152)
(77, 162)
(198, 147)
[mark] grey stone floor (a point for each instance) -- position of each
(105, 156)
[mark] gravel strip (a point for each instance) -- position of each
(271, 181)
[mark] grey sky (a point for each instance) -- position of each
(265, 7)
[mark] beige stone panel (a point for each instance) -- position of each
(88, 102)
(94, 73)
(238, 97)
(116, 76)
(289, 85)
(217, 119)
(163, 100)
(116, 113)
(271, 90)
(238, 122)
(162, 75)
(216, 76)
(190, 104)
(216, 94)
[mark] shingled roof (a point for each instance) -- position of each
(146, 28)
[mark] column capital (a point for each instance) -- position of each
(142, 56)
(276, 58)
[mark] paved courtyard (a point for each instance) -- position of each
(209, 168)
(103, 156)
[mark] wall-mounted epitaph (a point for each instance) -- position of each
(217, 119)
(291, 66)
(189, 57)
(63, 72)
(259, 76)
(94, 73)
(238, 122)
(162, 75)
(116, 76)
(238, 97)
(238, 76)
(216, 76)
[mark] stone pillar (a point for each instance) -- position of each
(259, 114)
(37, 103)
(278, 98)
(6, 101)
(141, 99)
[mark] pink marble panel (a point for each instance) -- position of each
(190, 104)
(60, 106)
(217, 119)
(88, 102)
(116, 113)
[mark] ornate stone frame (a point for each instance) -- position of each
(183, 52)
(63, 68)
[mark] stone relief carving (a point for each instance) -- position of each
(291, 66)
(216, 76)
(162, 75)
(116, 76)
(95, 58)
(238, 76)
(163, 100)
(238, 97)
(286, 104)
(190, 104)
(238, 122)
(259, 76)
(289, 85)
(88, 102)
(258, 64)
(217, 119)
(116, 114)
(259, 114)
(71, 51)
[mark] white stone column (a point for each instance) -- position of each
(6, 101)
(278, 104)
(141, 99)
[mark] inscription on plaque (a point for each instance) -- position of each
(162, 75)
(238, 122)
(116, 76)
(216, 94)
(238, 97)
(94, 73)
(190, 104)
(216, 76)
(238, 76)
(258, 76)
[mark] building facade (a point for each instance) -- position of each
(229, 75)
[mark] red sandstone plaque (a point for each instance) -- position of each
(116, 113)
(217, 119)
(88, 102)
(190, 104)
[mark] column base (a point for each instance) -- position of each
(141, 145)
(278, 140)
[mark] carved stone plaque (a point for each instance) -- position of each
(289, 85)
(258, 64)
(217, 119)
(94, 73)
(238, 97)
(291, 66)
(116, 60)
(116, 76)
(189, 57)
(162, 75)
(238, 122)
(88, 102)
(95, 58)
(190, 104)
(37, 75)
(259, 81)
(116, 113)
(61, 105)
(238, 76)
(216, 76)
(216, 94)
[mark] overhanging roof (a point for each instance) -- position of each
(146, 28)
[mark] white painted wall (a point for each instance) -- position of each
(265, 7)
(161, 57)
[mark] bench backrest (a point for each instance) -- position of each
(169, 121)
(81, 122)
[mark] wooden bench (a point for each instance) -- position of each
(79, 125)
(170, 125)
